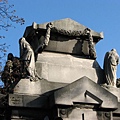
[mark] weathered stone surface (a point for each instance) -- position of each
(118, 110)
(27, 87)
(87, 114)
(66, 68)
(113, 90)
(85, 91)
(36, 101)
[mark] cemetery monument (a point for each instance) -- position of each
(57, 77)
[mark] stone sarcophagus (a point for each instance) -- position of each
(67, 36)
(57, 76)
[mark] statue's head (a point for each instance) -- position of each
(10, 56)
(86, 31)
(49, 25)
(113, 49)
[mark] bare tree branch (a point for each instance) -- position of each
(7, 18)
(7, 15)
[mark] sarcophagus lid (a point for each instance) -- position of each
(66, 36)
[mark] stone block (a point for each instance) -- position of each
(65, 68)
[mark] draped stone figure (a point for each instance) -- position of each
(111, 61)
(27, 54)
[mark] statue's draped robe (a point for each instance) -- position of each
(27, 54)
(111, 61)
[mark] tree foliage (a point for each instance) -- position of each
(7, 18)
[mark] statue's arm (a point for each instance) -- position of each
(21, 47)
(47, 36)
(118, 60)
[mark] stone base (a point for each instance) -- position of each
(66, 68)
(25, 86)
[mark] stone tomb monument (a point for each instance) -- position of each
(57, 76)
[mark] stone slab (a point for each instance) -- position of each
(75, 47)
(27, 87)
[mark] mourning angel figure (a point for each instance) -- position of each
(111, 61)
(28, 55)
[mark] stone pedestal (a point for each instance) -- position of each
(66, 68)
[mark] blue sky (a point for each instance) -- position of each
(99, 15)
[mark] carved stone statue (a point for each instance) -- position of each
(111, 61)
(27, 53)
